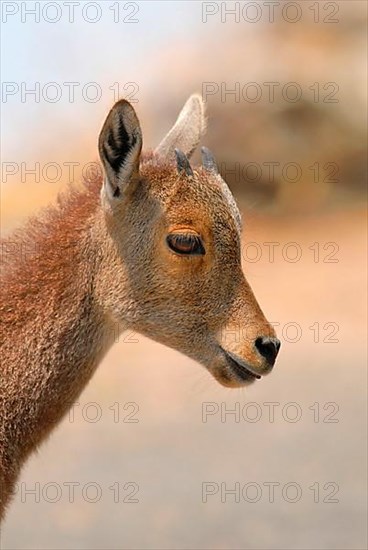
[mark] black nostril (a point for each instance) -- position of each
(268, 348)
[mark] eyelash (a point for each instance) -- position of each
(185, 244)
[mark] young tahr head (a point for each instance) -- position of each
(173, 265)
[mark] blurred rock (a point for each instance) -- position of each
(311, 120)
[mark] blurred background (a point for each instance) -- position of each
(151, 455)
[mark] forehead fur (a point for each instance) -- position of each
(206, 194)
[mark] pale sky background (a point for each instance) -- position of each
(104, 52)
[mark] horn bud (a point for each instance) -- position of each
(183, 163)
(208, 160)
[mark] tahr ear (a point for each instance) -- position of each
(187, 130)
(120, 145)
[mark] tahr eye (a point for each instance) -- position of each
(185, 243)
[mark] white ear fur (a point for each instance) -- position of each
(187, 130)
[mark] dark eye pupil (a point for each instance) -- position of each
(185, 244)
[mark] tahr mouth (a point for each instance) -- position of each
(240, 368)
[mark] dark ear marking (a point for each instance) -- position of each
(116, 193)
(120, 144)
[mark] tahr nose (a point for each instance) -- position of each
(268, 347)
